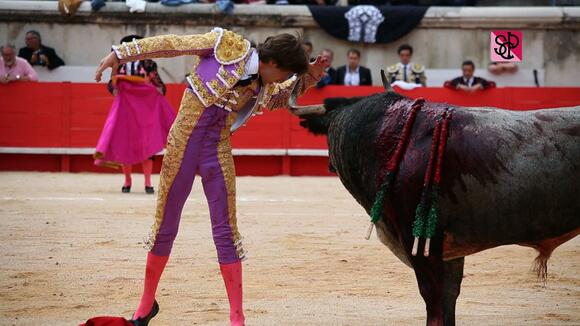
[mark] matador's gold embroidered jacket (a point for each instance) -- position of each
(221, 60)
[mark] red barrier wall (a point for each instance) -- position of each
(63, 115)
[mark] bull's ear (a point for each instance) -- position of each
(386, 82)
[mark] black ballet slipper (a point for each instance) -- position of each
(144, 321)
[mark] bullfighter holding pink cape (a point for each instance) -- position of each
(138, 122)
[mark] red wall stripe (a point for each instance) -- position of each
(72, 115)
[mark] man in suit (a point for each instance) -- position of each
(37, 54)
(329, 75)
(353, 74)
(468, 82)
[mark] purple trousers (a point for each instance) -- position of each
(198, 143)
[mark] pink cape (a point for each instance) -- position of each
(137, 125)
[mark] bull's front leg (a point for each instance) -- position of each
(439, 284)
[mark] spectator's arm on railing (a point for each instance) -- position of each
(52, 59)
(489, 84)
(29, 74)
(452, 84)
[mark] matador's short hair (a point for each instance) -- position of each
(286, 51)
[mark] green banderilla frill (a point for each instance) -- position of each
(426, 217)
(433, 217)
(379, 204)
(421, 216)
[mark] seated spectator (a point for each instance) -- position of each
(353, 74)
(329, 75)
(14, 69)
(405, 70)
(37, 54)
(468, 82)
(498, 68)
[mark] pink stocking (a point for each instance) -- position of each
(127, 169)
(147, 169)
(153, 271)
(232, 275)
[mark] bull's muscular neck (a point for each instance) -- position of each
(352, 133)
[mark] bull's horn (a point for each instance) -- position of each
(303, 109)
(386, 81)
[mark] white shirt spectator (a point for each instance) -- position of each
(352, 78)
(469, 81)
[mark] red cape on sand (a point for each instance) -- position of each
(107, 321)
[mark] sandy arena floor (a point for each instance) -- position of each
(71, 248)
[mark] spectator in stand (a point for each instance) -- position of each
(14, 69)
(353, 74)
(468, 82)
(406, 71)
(329, 74)
(37, 54)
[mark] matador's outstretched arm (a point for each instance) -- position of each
(226, 46)
(166, 46)
(280, 94)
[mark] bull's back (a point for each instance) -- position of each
(511, 177)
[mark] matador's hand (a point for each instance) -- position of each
(316, 68)
(110, 61)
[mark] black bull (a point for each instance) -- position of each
(508, 177)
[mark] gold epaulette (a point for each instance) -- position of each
(392, 69)
(417, 68)
(230, 47)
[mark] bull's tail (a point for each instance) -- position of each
(545, 249)
(541, 265)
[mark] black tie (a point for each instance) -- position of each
(246, 81)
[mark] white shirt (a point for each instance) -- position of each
(352, 78)
(252, 65)
(469, 81)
